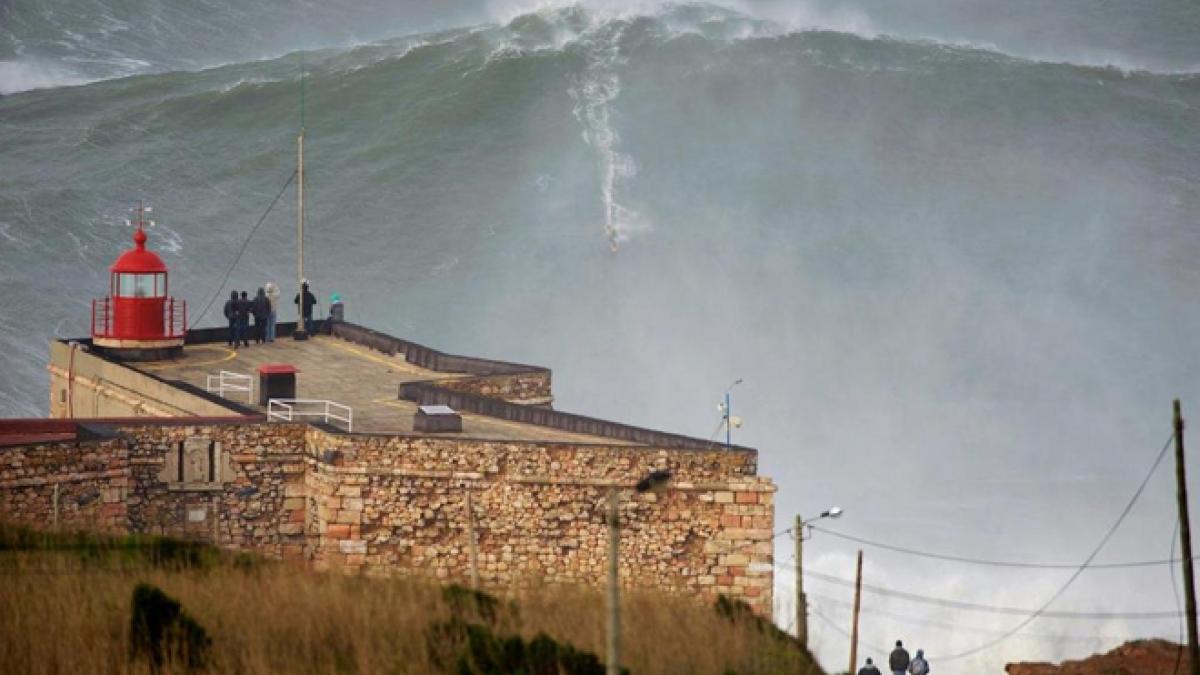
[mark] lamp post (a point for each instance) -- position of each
(651, 482)
(801, 600)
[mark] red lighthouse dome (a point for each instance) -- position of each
(138, 320)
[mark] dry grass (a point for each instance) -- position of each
(68, 611)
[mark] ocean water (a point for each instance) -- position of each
(960, 282)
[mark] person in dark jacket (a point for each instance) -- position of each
(244, 309)
(306, 311)
(868, 669)
(261, 310)
(898, 661)
(231, 314)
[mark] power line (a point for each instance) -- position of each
(992, 563)
(995, 609)
(1075, 575)
(242, 250)
(963, 605)
(959, 628)
(813, 608)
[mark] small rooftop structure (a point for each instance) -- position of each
(437, 419)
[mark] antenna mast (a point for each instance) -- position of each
(300, 333)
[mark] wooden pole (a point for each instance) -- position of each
(472, 547)
(612, 667)
(801, 600)
(1185, 536)
(854, 628)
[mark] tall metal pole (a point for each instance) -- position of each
(300, 333)
(613, 659)
(801, 600)
(474, 551)
(728, 422)
(1185, 536)
(857, 599)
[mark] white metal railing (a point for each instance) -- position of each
(230, 381)
(288, 409)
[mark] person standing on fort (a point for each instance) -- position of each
(899, 660)
(868, 669)
(273, 318)
(306, 310)
(919, 666)
(231, 314)
(244, 309)
(261, 308)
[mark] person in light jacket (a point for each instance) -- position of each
(272, 292)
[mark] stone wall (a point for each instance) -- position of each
(531, 388)
(398, 504)
(66, 483)
(538, 510)
(237, 485)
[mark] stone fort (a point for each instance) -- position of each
(360, 451)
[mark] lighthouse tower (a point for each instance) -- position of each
(138, 321)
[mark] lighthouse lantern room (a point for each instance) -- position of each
(138, 320)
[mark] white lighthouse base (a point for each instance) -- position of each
(139, 350)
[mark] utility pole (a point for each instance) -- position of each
(801, 600)
(1185, 535)
(472, 548)
(854, 628)
(612, 666)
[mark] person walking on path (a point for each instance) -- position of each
(919, 666)
(231, 314)
(868, 669)
(262, 312)
(899, 661)
(273, 317)
(244, 309)
(306, 310)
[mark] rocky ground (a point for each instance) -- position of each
(1140, 657)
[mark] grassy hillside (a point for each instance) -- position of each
(66, 606)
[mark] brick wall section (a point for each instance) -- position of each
(397, 504)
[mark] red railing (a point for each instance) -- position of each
(136, 325)
(102, 317)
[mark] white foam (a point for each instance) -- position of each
(594, 91)
(18, 76)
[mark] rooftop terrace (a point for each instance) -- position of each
(384, 380)
(352, 374)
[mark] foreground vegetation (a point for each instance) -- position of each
(67, 606)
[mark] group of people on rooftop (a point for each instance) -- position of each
(264, 309)
(900, 663)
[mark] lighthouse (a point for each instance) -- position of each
(138, 321)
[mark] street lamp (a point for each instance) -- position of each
(801, 600)
(654, 481)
